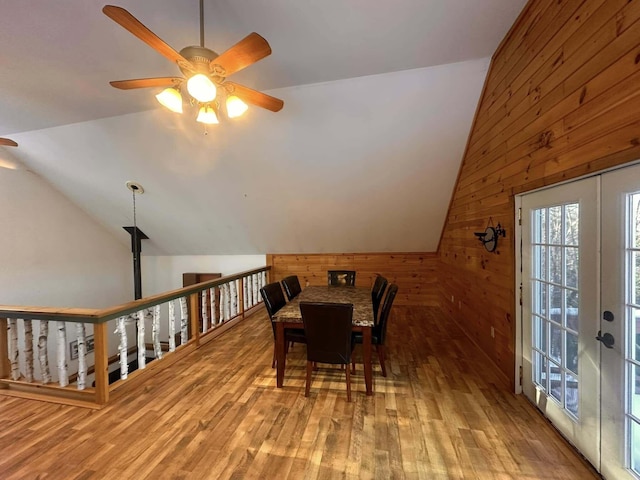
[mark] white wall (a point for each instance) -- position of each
(360, 165)
(164, 273)
(51, 252)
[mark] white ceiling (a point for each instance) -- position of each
(337, 148)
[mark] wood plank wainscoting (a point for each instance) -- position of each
(414, 273)
(561, 100)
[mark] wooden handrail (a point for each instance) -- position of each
(97, 316)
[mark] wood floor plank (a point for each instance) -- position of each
(441, 413)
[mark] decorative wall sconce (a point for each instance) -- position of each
(489, 237)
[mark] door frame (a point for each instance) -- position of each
(517, 237)
(519, 320)
(518, 289)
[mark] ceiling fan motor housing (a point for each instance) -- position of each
(200, 58)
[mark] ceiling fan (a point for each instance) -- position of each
(5, 142)
(205, 72)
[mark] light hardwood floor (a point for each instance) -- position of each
(440, 414)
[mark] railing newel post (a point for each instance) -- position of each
(195, 317)
(101, 363)
(241, 306)
(4, 351)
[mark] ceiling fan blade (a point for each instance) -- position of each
(247, 51)
(147, 82)
(133, 25)
(7, 143)
(256, 98)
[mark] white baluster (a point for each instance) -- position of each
(123, 347)
(227, 302)
(234, 298)
(212, 295)
(250, 291)
(255, 289)
(172, 326)
(63, 376)
(43, 351)
(205, 317)
(28, 350)
(82, 355)
(184, 321)
(221, 291)
(12, 328)
(245, 287)
(155, 332)
(142, 348)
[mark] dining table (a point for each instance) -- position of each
(289, 316)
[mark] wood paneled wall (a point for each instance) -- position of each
(414, 273)
(561, 100)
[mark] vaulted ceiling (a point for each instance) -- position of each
(379, 98)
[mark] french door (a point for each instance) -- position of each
(560, 310)
(620, 380)
(581, 315)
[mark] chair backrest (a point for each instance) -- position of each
(273, 298)
(381, 327)
(327, 327)
(291, 286)
(341, 278)
(376, 294)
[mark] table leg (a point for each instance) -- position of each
(280, 354)
(366, 350)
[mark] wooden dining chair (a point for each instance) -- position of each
(376, 294)
(274, 301)
(328, 330)
(379, 332)
(291, 286)
(341, 278)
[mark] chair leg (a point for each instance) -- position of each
(307, 385)
(353, 364)
(348, 383)
(381, 357)
(273, 362)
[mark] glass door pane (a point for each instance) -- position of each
(560, 269)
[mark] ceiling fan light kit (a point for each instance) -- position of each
(235, 106)
(201, 88)
(170, 98)
(205, 72)
(207, 115)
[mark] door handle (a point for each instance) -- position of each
(607, 339)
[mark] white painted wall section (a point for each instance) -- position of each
(52, 253)
(164, 273)
(365, 164)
